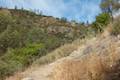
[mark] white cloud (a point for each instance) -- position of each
(72, 9)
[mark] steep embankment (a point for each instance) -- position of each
(26, 36)
(97, 58)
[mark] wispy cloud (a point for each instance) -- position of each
(81, 10)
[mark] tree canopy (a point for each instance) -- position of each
(110, 5)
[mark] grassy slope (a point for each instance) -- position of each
(96, 61)
(25, 36)
(91, 59)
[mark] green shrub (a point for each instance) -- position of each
(36, 34)
(13, 37)
(101, 21)
(5, 20)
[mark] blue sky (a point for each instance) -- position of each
(80, 10)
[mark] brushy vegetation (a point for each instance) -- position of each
(17, 59)
(60, 52)
(26, 36)
(116, 27)
(101, 21)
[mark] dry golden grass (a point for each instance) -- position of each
(93, 66)
(107, 30)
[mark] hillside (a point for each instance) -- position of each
(38, 47)
(89, 61)
(59, 39)
(95, 58)
(26, 36)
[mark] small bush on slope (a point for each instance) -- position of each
(101, 21)
(116, 27)
(5, 20)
